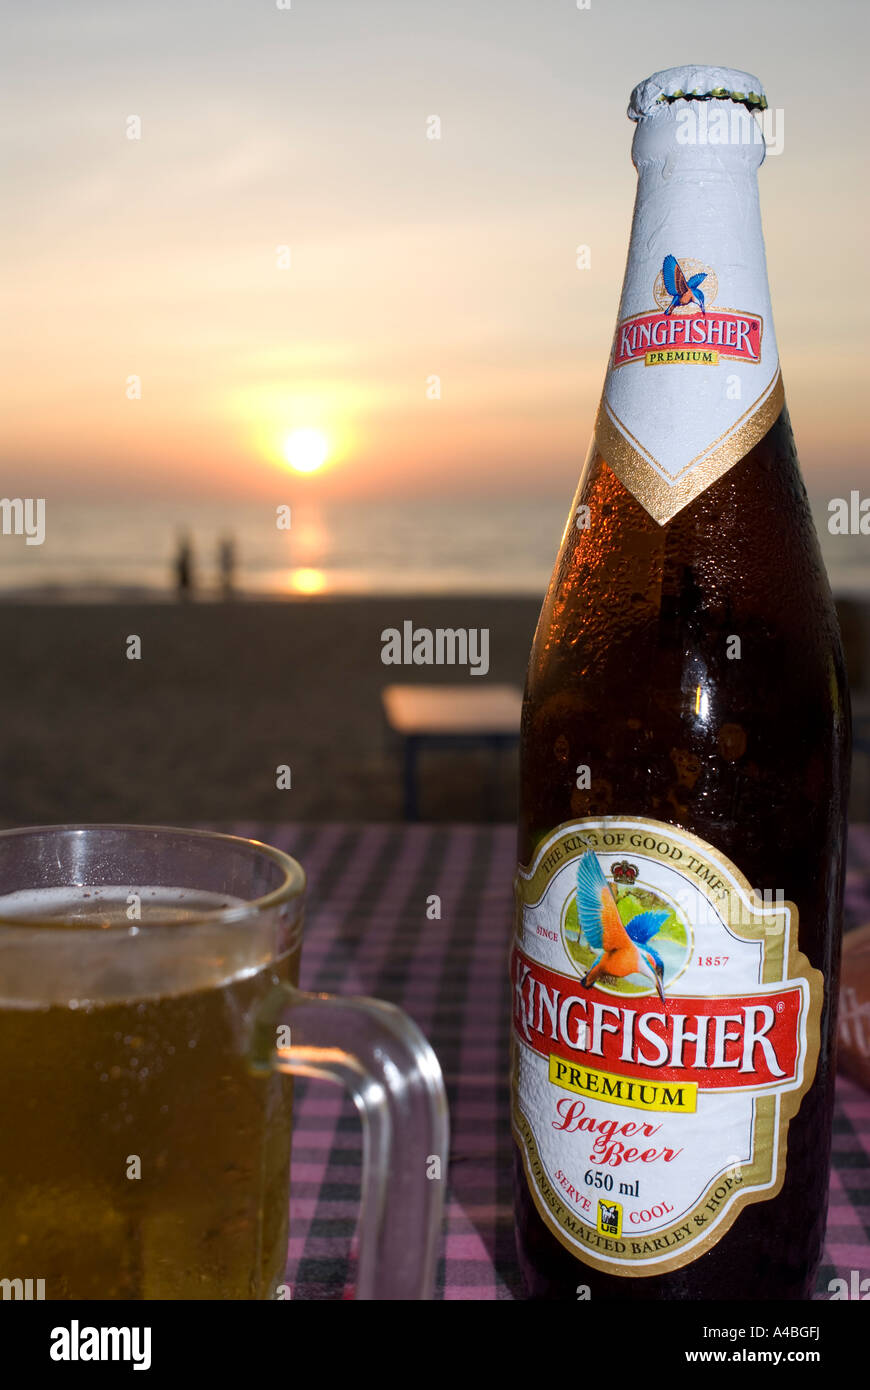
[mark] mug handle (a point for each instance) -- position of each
(382, 1058)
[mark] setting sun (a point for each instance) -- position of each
(306, 450)
(307, 581)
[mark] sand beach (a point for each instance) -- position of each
(224, 693)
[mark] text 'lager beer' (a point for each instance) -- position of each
(684, 771)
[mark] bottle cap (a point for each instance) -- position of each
(690, 83)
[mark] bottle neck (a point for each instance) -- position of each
(694, 191)
(693, 379)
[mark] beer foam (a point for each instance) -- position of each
(89, 906)
(83, 950)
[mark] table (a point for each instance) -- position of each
(368, 933)
(449, 716)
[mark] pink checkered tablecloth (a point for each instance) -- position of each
(367, 933)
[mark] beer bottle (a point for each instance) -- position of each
(684, 771)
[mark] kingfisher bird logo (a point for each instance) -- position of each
(681, 290)
(677, 287)
(627, 942)
(684, 328)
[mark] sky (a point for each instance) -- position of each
(305, 127)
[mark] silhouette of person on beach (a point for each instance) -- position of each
(227, 565)
(184, 566)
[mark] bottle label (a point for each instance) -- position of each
(693, 380)
(665, 1031)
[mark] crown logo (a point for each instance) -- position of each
(624, 872)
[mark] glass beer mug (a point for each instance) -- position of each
(150, 1021)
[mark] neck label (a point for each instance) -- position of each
(693, 380)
